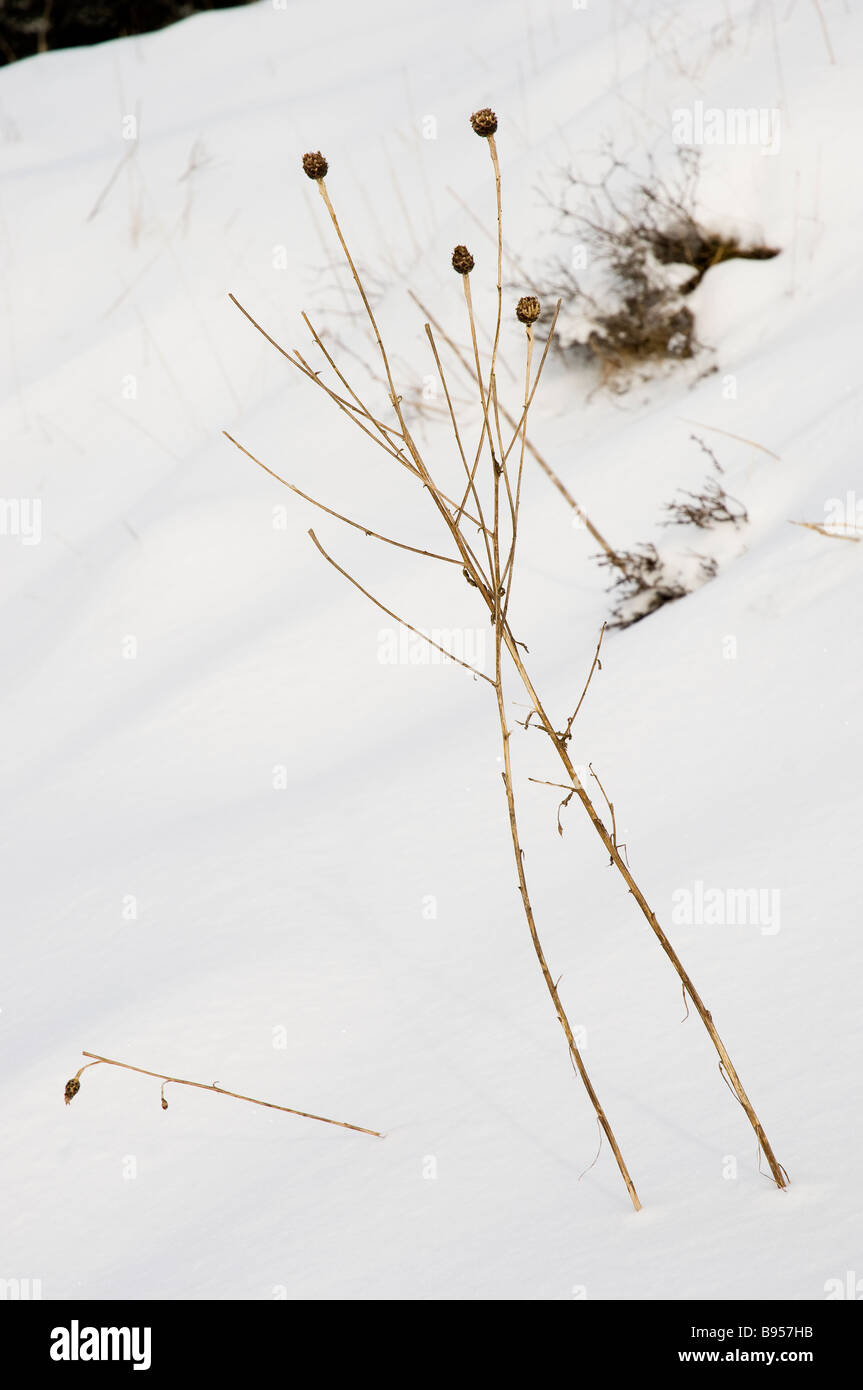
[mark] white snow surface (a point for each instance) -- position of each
(239, 847)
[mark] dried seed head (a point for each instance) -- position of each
(528, 309)
(462, 260)
(164, 1103)
(72, 1089)
(484, 122)
(315, 165)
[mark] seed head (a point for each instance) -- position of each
(72, 1089)
(528, 309)
(315, 165)
(484, 122)
(462, 260)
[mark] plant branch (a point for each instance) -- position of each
(73, 1086)
(395, 616)
(367, 530)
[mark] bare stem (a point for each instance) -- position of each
(395, 616)
(780, 1177)
(531, 448)
(595, 665)
(357, 525)
(534, 935)
(202, 1086)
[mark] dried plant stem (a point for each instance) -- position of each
(488, 396)
(595, 665)
(505, 734)
(780, 1177)
(395, 616)
(531, 448)
(540, 954)
(490, 585)
(728, 435)
(495, 164)
(471, 564)
(295, 360)
(322, 189)
(510, 559)
(831, 535)
(482, 394)
(219, 1090)
(357, 525)
(350, 411)
(471, 485)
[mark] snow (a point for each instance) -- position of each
(227, 824)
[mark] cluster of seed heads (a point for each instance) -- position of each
(484, 123)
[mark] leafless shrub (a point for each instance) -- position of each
(713, 506)
(635, 232)
(643, 584)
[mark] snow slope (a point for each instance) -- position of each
(239, 847)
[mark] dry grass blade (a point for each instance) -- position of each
(729, 435)
(831, 535)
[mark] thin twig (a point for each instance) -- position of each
(358, 525)
(531, 448)
(728, 434)
(202, 1086)
(596, 665)
(470, 473)
(395, 616)
(822, 530)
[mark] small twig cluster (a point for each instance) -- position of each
(643, 580)
(712, 506)
(644, 584)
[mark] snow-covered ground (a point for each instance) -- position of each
(240, 845)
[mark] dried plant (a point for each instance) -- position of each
(631, 229)
(642, 580)
(712, 506)
(73, 1086)
(644, 583)
(849, 533)
(480, 517)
